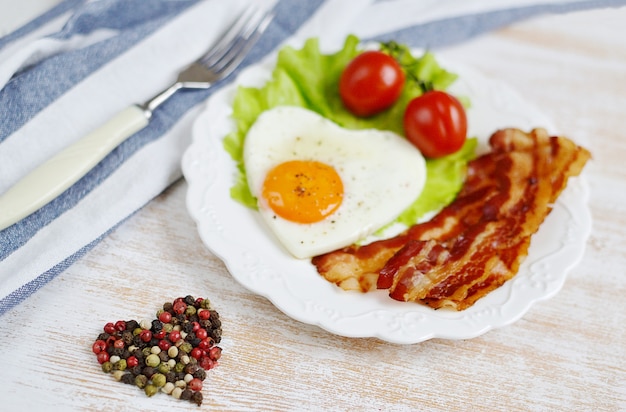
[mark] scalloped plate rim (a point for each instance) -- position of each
(404, 321)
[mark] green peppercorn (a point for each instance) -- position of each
(151, 389)
(141, 381)
(137, 331)
(153, 360)
(190, 311)
(163, 368)
(146, 351)
(168, 327)
(206, 304)
(121, 365)
(180, 367)
(107, 367)
(186, 347)
(158, 379)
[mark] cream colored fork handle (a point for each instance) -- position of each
(53, 177)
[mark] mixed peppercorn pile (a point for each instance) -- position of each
(170, 354)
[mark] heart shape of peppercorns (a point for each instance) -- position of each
(170, 354)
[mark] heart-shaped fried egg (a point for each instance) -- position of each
(320, 187)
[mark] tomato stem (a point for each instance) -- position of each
(408, 62)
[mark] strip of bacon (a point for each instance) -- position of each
(477, 242)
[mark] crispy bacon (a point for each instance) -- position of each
(476, 243)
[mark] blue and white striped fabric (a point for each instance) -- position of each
(72, 68)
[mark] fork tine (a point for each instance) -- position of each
(220, 48)
(230, 37)
(227, 60)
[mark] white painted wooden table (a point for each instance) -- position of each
(567, 353)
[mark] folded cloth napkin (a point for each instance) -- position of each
(69, 70)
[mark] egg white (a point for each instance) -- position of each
(382, 174)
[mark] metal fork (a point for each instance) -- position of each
(60, 172)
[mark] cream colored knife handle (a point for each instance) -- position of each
(57, 174)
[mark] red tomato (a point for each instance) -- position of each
(436, 123)
(371, 83)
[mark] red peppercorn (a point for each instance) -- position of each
(145, 335)
(195, 384)
(120, 325)
(165, 317)
(174, 336)
(160, 334)
(201, 333)
(164, 344)
(215, 353)
(205, 344)
(102, 357)
(199, 302)
(119, 344)
(132, 361)
(204, 314)
(196, 353)
(109, 328)
(196, 326)
(99, 346)
(206, 363)
(180, 307)
(111, 340)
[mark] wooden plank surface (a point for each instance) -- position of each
(566, 353)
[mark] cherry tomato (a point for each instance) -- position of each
(371, 83)
(436, 123)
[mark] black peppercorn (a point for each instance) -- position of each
(159, 362)
(187, 327)
(136, 370)
(157, 326)
(200, 374)
(196, 398)
(148, 371)
(170, 376)
(127, 337)
(187, 394)
(191, 368)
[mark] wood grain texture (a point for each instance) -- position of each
(566, 353)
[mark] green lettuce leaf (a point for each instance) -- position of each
(308, 78)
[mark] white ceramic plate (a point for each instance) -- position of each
(237, 236)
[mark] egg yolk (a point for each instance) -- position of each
(303, 191)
